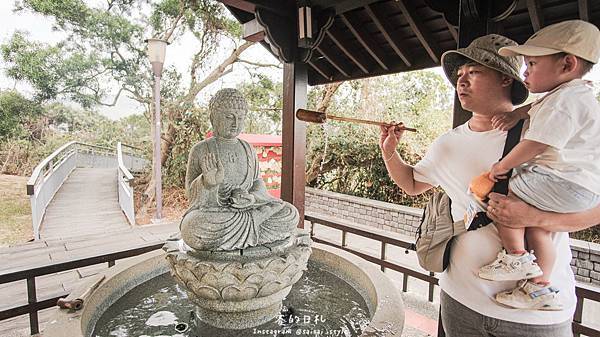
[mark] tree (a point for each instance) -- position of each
(264, 97)
(345, 157)
(104, 56)
(15, 112)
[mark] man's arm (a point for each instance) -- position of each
(513, 212)
(403, 175)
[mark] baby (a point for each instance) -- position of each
(557, 161)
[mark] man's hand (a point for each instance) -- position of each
(511, 211)
(498, 171)
(389, 138)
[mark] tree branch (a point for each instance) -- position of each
(175, 24)
(330, 90)
(258, 64)
(217, 73)
(114, 102)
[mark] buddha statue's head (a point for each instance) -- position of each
(227, 111)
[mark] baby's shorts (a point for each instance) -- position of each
(541, 188)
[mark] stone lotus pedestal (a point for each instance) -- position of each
(243, 288)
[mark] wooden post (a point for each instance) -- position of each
(295, 82)
(472, 23)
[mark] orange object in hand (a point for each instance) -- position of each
(481, 185)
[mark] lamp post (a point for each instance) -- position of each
(156, 53)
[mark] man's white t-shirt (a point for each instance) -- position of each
(568, 120)
(451, 162)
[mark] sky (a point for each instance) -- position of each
(178, 55)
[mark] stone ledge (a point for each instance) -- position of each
(580, 246)
(367, 202)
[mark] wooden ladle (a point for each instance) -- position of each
(319, 117)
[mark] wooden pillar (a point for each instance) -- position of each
(472, 23)
(293, 180)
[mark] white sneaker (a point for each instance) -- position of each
(511, 268)
(528, 295)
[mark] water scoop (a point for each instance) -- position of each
(321, 117)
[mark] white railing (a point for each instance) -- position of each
(134, 158)
(47, 178)
(123, 179)
(51, 173)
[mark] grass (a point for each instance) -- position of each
(15, 211)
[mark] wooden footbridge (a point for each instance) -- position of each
(83, 189)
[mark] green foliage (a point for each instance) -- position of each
(105, 48)
(345, 158)
(16, 111)
(265, 100)
(192, 128)
(55, 124)
(591, 234)
(351, 161)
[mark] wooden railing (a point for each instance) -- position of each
(584, 292)
(29, 274)
(49, 175)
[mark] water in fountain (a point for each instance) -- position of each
(320, 304)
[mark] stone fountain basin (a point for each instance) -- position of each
(381, 296)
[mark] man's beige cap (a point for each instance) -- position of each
(575, 37)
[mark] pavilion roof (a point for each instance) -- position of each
(370, 37)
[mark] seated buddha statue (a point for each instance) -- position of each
(230, 207)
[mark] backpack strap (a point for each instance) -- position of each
(501, 186)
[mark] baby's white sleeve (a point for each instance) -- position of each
(551, 125)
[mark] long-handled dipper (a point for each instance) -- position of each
(321, 117)
(75, 301)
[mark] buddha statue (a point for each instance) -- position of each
(230, 207)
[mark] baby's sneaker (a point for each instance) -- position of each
(529, 295)
(509, 267)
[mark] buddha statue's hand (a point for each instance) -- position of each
(241, 199)
(212, 170)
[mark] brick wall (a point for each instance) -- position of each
(405, 220)
(382, 215)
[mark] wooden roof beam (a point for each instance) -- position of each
(385, 29)
(452, 31)
(584, 10)
(246, 6)
(334, 61)
(333, 36)
(342, 6)
(253, 31)
(418, 28)
(366, 41)
(535, 14)
(319, 70)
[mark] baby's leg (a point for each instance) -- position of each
(540, 241)
(513, 239)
